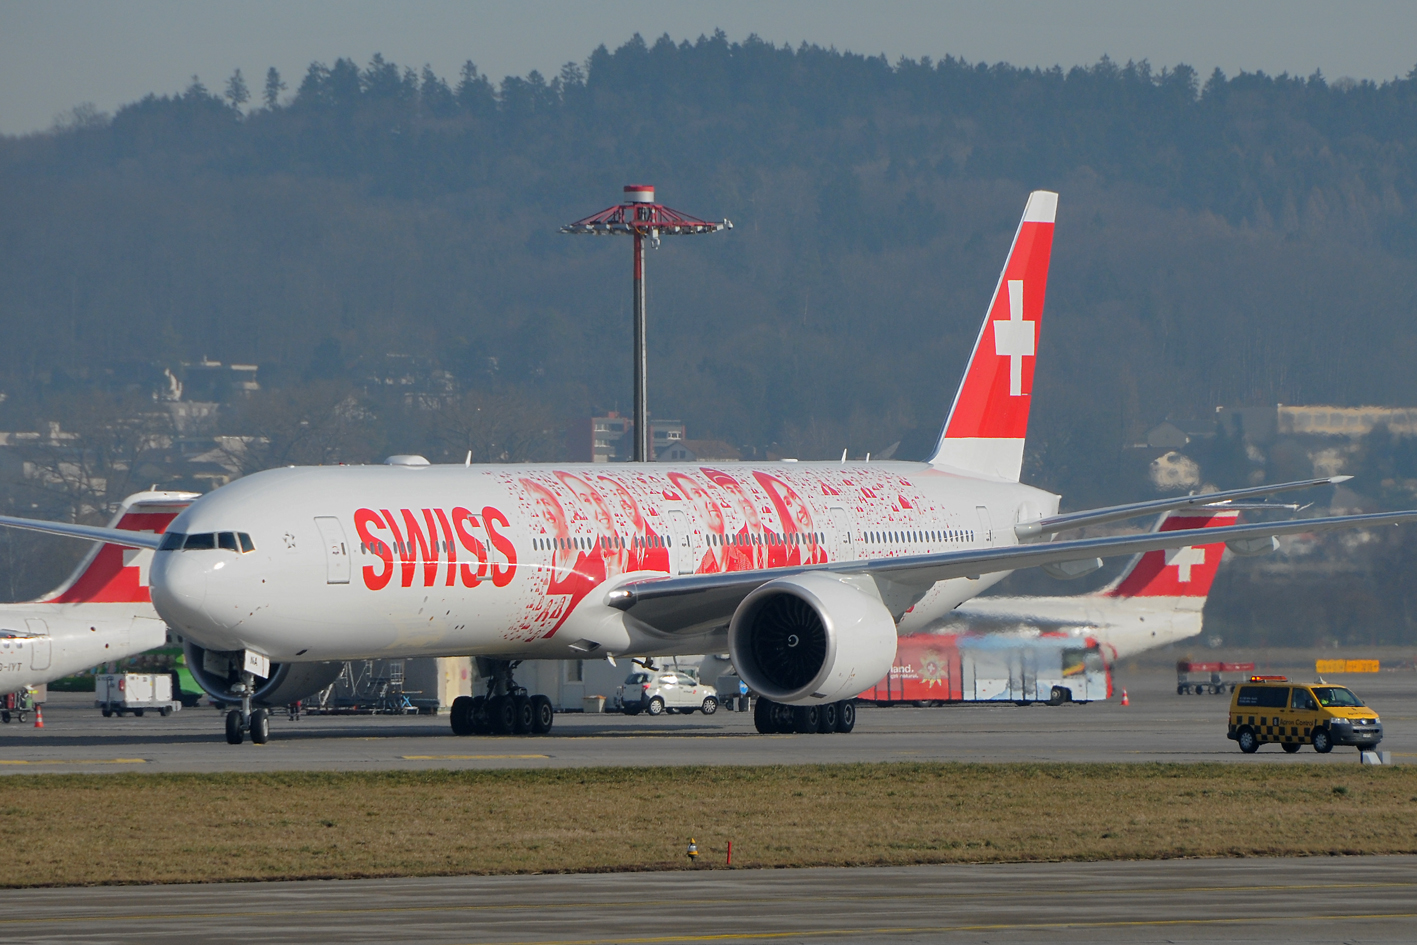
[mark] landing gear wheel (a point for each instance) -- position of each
(805, 719)
(827, 717)
(1249, 742)
(1289, 747)
(260, 726)
(784, 718)
(501, 715)
(521, 715)
(710, 705)
(460, 718)
(656, 706)
(542, 715)
(477, 719)
(763, 719)
(1323, 741)
(235, 733)
(845, 716)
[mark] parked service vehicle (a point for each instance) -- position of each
(120, 693)
(1271, 709)
(656, 692)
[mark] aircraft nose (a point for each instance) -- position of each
(179, 589)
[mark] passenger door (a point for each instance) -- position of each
(682, 537)
(841, 524)
(40, 644)
(336, 550)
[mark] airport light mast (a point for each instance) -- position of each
(639, 216)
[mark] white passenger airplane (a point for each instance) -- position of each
(103, 612)
(1158, 599)
(799, 570)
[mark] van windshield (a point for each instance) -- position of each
(1330, 696)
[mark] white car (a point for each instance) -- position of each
(659, 691)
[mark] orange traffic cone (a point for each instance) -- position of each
(1125, 700)
(39, 716)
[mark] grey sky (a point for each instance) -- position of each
(55, 54)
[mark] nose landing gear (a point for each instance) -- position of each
(507, 709)
(240, 722)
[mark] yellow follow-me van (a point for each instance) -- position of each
(1272, 709)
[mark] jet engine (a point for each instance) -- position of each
(287, 683)
(812, 638)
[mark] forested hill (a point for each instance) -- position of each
(1243, 240)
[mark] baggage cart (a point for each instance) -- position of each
(1214, 682)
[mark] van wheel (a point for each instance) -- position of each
(1290, 747)
(1249, 742)
(656, 706)
(710, 706)
(1323, 741)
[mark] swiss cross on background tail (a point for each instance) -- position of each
(1177, 572)
(1183, 559)
(985, 431)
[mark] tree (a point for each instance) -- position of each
(236, 92)
(274, 86)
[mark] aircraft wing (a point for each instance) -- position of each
(689, 603)
(112, 536)
(1116, 513)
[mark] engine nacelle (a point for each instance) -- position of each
(811, 639)
(287, 683)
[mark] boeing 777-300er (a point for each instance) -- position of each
(102, 613)
(799, 570)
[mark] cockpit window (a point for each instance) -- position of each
(239, 542)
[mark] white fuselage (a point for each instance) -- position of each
(1123, 626)
(515, 561)
(42, 642)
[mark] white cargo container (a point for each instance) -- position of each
(119, 693)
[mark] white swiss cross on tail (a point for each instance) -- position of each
(1013, 339)
(986, 428)
(1183, 559)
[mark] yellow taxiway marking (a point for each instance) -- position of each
(85, 761)
(464, 757)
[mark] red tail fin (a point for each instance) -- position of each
(989, 420)
(1179, 572)
(113, 574)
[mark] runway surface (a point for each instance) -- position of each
(1159, 725)
(1290, 901)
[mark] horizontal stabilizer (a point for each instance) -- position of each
(112, 536)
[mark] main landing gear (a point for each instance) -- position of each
(246, 720)
(774, 718)
(507, 709)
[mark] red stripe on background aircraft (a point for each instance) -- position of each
(102, 613)
(800, 571)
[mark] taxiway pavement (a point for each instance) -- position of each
(1289, 901)
(1159, 725)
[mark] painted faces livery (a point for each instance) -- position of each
(565, 532)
